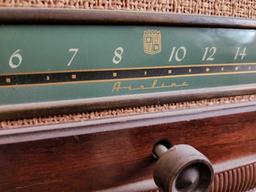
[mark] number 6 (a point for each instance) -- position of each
(17, 55)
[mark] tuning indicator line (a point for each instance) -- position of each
(125, 74)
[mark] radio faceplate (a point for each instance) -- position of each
(54, 68)
(55, 63)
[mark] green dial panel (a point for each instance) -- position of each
(40, 63)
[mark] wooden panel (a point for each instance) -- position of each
(238, 179)
(105, 159)
(71, 16)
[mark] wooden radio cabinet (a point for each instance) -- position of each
(83, 129)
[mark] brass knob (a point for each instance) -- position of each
(182, 169)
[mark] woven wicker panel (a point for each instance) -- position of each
(233, 8)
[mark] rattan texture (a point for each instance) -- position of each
(231, 8)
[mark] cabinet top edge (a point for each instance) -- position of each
(56, 16)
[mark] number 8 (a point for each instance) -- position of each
(118, 55)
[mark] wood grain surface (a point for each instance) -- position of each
(105, 159)
(78, 16)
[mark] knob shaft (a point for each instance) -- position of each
(182, 169)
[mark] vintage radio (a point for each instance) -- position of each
(124, 100)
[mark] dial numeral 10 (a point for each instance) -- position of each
(178, 54)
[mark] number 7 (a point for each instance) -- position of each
(74, 50)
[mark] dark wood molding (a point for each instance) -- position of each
(107, 157)
(79, 16)
(241, 178)
(17, 135)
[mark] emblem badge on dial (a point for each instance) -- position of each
(152, 41)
